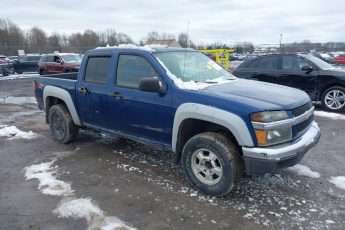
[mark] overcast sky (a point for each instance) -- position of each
(227, 21)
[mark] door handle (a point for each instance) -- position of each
(117, 95)
(84, 91)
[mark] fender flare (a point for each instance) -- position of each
(231, 121)
(52, 91)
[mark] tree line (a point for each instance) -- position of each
(36, 40)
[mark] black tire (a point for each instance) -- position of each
(228, 157)
(4, 72)
(61, 124)
(42, 72)
(19, 72)
(326, 100)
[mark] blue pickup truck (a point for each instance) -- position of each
(219, 126)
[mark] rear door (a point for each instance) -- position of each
(142, 114)
(32, 63)
(291, 74)
(266, 69)
(50, 64)
(261, 69)
(92, 92)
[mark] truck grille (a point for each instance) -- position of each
(301, 127)
(300, 110)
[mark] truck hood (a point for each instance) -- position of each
(262, 95)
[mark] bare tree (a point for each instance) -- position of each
(151, 36)
(183, 39)
(37, 40)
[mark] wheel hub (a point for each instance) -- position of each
(206, 166)
(335, 99)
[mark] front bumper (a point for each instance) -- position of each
(268, 159)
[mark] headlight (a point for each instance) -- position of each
(271, 136)
(269, 116)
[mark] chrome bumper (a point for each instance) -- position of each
(279, 152)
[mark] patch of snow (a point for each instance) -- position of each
(18, 100)
(71, 206)
(330, 222)
(303, 170)
(85, 208)
(48, 184)
(128, 168)
(333, 116)
(131, 46)
(78, 208)
(12, 132)
(338, 181)
(18, 76)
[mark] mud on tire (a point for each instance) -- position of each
(61, 124)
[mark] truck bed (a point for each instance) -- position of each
(65, 81)
(70, 76)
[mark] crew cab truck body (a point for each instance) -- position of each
(220, 127)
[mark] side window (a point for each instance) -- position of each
(33, 58)
(302, 62)
(131, 68)
(97, 70)
(268, 63)
(56, 58)
(290, 63)
(50, 59)
(253, 63)
(23, 59)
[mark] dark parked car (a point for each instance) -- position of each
(319, 79)
(27, 63)
(5, 67)
(59, 63)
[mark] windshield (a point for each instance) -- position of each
(71, 58)
(192, 66)
(317, 61)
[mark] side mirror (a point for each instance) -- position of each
(307, 68)
(153, 85)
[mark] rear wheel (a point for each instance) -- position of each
(42, 72)
(19, 72)
(212, 163)
(61, 124)
(333, 99)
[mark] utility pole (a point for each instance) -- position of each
(280, 43)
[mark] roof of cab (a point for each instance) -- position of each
(150, 49)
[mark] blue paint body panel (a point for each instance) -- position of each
(148, 117)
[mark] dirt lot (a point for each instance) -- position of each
(118, 180)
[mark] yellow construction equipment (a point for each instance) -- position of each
(221, 56)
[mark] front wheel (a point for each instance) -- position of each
(61, 124)
(212, 163)
(333, 99)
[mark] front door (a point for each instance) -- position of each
(291, 74)
(142, 114)
(92, 92)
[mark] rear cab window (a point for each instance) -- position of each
(97, 69)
